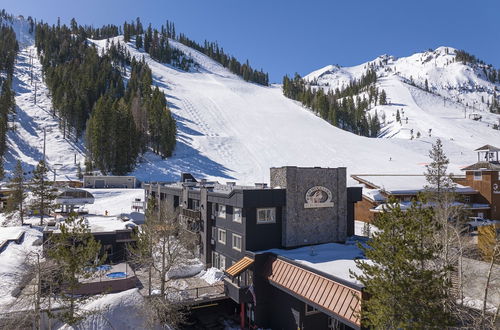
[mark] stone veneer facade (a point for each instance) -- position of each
(315, 225)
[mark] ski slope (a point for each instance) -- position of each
(28, 124)
(456, 91)
(232, 130)
(26, 139)
(229, 129)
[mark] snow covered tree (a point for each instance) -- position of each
(398, 116)
(406, 289)
(18, 195)
(43, 192)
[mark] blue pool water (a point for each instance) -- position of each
(117, 275)
(102, 268)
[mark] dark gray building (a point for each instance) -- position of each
(302, 206)
(237, 224)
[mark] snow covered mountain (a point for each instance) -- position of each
(34, 120)
(229, 129)
(428, 88)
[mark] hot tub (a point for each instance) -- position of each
(117, 275)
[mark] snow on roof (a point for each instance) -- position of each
(403, 184)
(330, 258)
(10, 233)
(106, 224)
(374, 194)
(12, 260)
(488, 147)
(407, 204)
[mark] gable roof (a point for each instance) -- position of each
(488, 147)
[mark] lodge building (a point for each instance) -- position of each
(478, 190)
(250, 231)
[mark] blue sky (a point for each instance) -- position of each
(287, 36)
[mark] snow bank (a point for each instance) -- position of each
(212, 275)
(12, 260)
(186, 269)
(121, 310)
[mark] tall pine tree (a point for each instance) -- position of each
(18, 195)
(406, 290)
(42, 190)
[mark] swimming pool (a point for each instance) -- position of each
(117, 275)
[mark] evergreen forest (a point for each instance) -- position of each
(89, 96)
(157, 45)
(343, 108)
(8, 50)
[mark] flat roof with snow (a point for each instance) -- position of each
(333, 259)
(401, 184)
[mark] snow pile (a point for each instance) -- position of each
(187, 268)
(12, 260)
(121, 310)
(212, 275)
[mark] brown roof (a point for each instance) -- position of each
(492, 166)
(315, 289)
(239, 267)
(488, 147)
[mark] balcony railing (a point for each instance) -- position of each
(192, 220)
(195, 215)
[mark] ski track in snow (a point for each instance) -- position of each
(25, 142)
(229, 129)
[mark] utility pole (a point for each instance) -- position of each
(31, 67)
(44, 140)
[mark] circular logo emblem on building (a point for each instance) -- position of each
(318, 196)
(496, 188)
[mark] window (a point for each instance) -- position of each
(333, 323)
(222, 262)
(221, 211)
(237, 242)
(215, 259)
(221, 236)
(265, 215)
(196, 205)
(467, 199)
(237, 214)
(311, 310)
(477, 176)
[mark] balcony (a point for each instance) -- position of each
(192, 220)
(193, 214)
(239, 294)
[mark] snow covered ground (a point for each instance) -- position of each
(229, 129)
(12, 261)
(233, 130)
(26, 140)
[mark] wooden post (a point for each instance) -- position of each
(242, 315)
